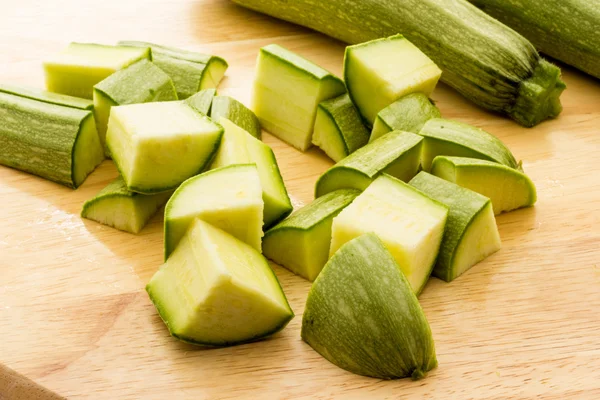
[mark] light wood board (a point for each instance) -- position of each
(525, 323)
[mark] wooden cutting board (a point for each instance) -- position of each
(525, 323)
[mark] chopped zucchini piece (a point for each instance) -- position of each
(508, 188)
(300, 243)
(124, 210)
(236, 112)
(395, 153)
(156, 146)
(339, 130)
(216, 290)
(409, 114)
(48, 97)
(80, 66)
(362, 315)
(287, 90)
(229, 198)
(381, 71)
(202, 101)
(410, 224)
(471, 233)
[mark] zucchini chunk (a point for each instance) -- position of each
(124, 210)
(239, 147)
(52, 141)
(395, 153)
(410, 224)
(229, 198)
(287, 90)
(409, 114)
(451, 138)
(142, 82)
(381, 71)
(80, 66)
(156, 146)
(300, 242)
(362, 315)
(216, 290)
(471, 233)
(236, 112)
(508, 188)
(48, 97)
(339, 130)
(202, 101)
(190, 71)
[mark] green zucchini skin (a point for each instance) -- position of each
(202, 101)
(564, 29)
(48, 97)
(485, 61)
(236, 112)
(42, 138)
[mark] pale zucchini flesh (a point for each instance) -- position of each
(338, 129)
(508, 188)
(216, 290)
(55, 142)
(471, 234)
(80, 66)
(229, 198)
(396, 153)
(300, 243)
(124, 210)
(362, 315)
(48, 97)
(287, 91)
(409, 114)
(410, 224)
(236, 112)
(202, 101)
(157, 146)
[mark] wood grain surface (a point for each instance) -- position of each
(523, 324)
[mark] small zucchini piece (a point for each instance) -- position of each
(508, 188)
(80, 66)
(409, 114)
(410, 224)
(395, 153)
(471, 233)
(300, 242)
(451, 138)
(229, 198)
(157, 146)
(142, 82)
(52, 141)
(236, 112)
(339, 130)
(215, 290)
(287, 90)
(202, 101)
(48, 97)
(362, 315)
(190, 71)
(124, 210)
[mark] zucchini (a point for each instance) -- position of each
(409, 114)
(451, 138)
(471, 233)
(55, 142)
(156, 146)
(339, 130)
(236, 112)
(216, 290)
(379, 72)
(48, 97)
(80, 66)
(395, 153)
(508, 188)
(410, 224)
(229, 198)
(124, 210)
(565, 30)
(141, 82)
(202, 101)
(362, 316)
(485, 61)
(190, 71)
(287, 90)
(239, 147)
(300, 243)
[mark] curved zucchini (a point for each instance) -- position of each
(487, 62)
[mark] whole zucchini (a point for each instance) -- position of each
(564, 29)
(487, 62)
